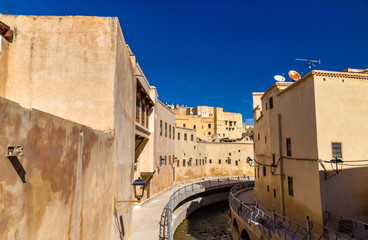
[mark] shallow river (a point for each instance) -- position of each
(208, 223)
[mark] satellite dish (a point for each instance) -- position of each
(294, 75)
(279, 78)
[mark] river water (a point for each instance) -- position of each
(207, 223)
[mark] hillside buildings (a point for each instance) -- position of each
(209, 122)
(308, 158)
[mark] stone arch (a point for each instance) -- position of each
(235, 225)
(244, 235)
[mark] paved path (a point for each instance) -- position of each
(246, 197)
(147, 215)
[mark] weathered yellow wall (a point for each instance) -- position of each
(341, 110)
(298, 123)
(201, 154)
(68, 192)
(164, 146)
(69, 60)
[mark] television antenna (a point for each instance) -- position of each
(311, 62)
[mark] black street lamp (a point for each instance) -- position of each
(138, 187)
(273, 168)
(336, 165)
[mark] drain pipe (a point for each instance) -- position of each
(281, 168)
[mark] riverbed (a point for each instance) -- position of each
(207, 223)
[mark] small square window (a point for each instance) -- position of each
(209, 133)
(336, 150)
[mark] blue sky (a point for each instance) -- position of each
(217, 53)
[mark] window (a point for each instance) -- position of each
(290, 184)
(209, 133)
(274, 192)
(223, 134)
(185, 136)
(229, 153)
(177, 163)
(178, 135)
(209, 125)
(191, 137)
(236, 163)
(268, 188)
(273, 158)
(165, 129)
(258, 171)
(169, 131)
(229, 161)
(225, 122)
(147, 117)
(173, 132)
(183, 162)
(219, 161)
(271, 102)
(234, 123)
(194, 127)
(143, 114)
(184, 125)
(230, 123)
(161, 160)
(160, 127)
(259, 136)
(265, 139)
(288, 147)
(165, 160)
(210, 161)
(196, 162)
(169, 159)
(264, 171)
(137, 109)
(194, 147)
(336, 150)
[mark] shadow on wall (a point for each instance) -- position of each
(18, 167)
(120, 225)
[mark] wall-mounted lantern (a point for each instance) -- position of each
(273, 168)
(138, 188)
(250, 162)
(336, 165)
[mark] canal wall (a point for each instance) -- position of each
(191, 206)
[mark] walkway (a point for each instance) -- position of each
(246, 197)
(147, 215)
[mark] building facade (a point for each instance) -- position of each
(211, 122)
(195, 159)
(300, 130)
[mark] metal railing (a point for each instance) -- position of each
(166, 227)
(273, 222)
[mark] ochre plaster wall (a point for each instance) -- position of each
(62, 65)
(341, 110)
(68, 189)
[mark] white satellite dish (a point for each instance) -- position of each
(279, 78)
